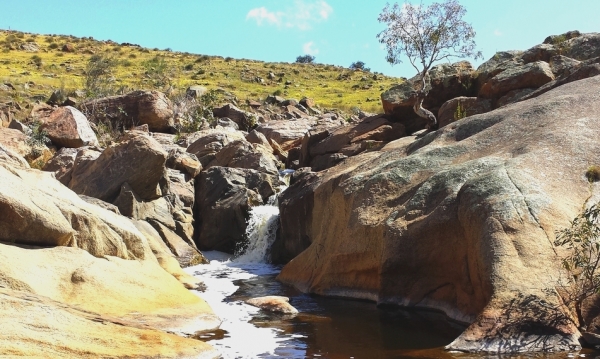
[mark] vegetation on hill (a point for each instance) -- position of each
(36, 65)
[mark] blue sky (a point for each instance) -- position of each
(336, 32)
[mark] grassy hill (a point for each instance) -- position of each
(35, 65)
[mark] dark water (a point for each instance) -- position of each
(341, 328)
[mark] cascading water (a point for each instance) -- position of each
(243, 339)
(261, 231)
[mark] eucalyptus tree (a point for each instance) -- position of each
(426, 35)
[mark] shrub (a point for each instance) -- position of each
(305, 59)
(36, 60)
(460, 112)
(158, 71)
(53, 45)
(593, 173)
(582, 240)
(99, 75)
(359, 65)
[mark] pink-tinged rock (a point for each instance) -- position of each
(68, 127)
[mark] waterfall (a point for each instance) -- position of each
(261, 231)
(262, 227)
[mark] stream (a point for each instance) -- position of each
(325, 327)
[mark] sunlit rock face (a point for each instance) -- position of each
(461, 220)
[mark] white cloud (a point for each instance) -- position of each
(261, 15)
(302, 15)
(310, 49)
(497, 32)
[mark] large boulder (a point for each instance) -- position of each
(50, 329)
(516, 77)
(223, 200)
(461, 107)
(243, 154)
(242, 118)
(68, 127)
(205, 144)
(38, 210)
(461, 220)
(582, 47)
(284, 131)
(136, 108)
(139, 162)
(62, 164)
(349, 140)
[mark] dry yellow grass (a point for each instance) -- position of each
(36, 74)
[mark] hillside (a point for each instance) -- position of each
(32, 66)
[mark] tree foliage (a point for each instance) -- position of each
(426, 35)
(305, 59)
(582, 241)
(359, 65)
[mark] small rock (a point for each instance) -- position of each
(273, 303)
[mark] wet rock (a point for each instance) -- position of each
(273, 303)
(223, 199)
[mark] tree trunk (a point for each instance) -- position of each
(424, 113)
(432, 123)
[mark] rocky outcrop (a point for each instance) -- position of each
(67, 127)
(516, 77)
(443, 82)
(461, 220)
(285, 131)
(243, 154)
(461, 107)
(15, 140)
(323, 148)
(136, 108)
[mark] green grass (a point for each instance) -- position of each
(50, 68)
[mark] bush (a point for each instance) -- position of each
(359, 65)
(193, 114)
(305, 59)
(36, 60)
(99, 75)
(593, 173)
(53, 45)
(582, 240)
(158, 71)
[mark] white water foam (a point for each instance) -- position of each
(261, 231)
(243, 339)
